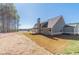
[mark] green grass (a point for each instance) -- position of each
(73, 47)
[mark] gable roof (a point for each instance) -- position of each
(43, 24)
(50, 23)
(73, 24)
(53, 21)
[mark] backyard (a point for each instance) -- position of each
(26, 43)
(61, 44)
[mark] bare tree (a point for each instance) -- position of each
(8, 13)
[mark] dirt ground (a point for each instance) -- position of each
(54, 44)
(16, 44)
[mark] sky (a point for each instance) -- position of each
(29, 12)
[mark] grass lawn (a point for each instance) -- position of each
(57, 44)
(73, 47)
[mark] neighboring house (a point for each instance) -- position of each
(72, 28)
(8, 18)
(55, 26)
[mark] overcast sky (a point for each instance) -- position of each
(30, 12)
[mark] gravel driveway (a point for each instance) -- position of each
(16, 43)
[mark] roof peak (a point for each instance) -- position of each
(52, 18)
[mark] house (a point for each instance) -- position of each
(72, 28)
(8, 18)
(55, 26)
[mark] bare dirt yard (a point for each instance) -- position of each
(60, 44)
(24, 43)
(16, 44)
(53, 44)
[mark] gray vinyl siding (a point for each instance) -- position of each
(72, 29)
(68, 30)
(58, 27)
(76, 30)
(45, 31)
